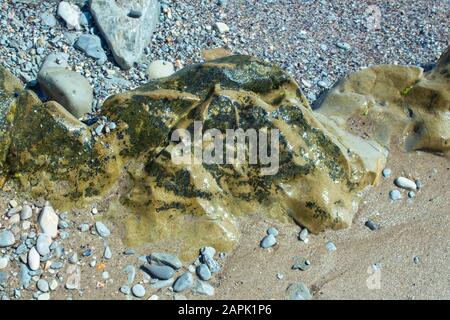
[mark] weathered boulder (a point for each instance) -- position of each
(322, 160)
(126, 32)
(69, 88)
(321, 167)
(389, 102)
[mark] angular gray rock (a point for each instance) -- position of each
(91, 45)
(127, 34)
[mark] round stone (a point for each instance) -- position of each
(160, 69)
(138, 290)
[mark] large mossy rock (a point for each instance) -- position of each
(326, 157)
(321, 168)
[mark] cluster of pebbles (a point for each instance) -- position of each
(35, 260)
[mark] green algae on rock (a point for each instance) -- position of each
(324, 165)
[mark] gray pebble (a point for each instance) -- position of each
(107, 253)
(184, 282)
(272, 231)
(203, 272)
(166, 259)
(268, 241)
(138, 290)
(372, 225)
(298, 291)
(102, 230)
(303, 235)
(330, 246)
(160, 272)
(125, 290)
(387, 173)
(395, 195)
(42, 285)
(202, 288)
(6, 239)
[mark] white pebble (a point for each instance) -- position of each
(405, 183)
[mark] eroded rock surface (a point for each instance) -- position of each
(323, 165)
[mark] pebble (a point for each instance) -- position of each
(212, 264)
(303, 235)
(372, 225)
(102, 230)
(159, 284)
(416, 260)
(208, 252)
(203, 272)
(301, 264)
(6, 239)
(33, 259)
(160, 69)
(184, 282)
(53, 285)
(166, 259)
(138, 290)
(280, 276)
(125, 290)
(48, 221)
(330, 246)
(48, 19)
(105, 275)
(343, 46)
(24, 276)
(130, 270)
(419, 184)
(222, 27)
(42, 285)
(107, 254)
(56, 265)
(405, 183)
(387, 173)
(160, 272)
(129, 252)
(268, 241)
(202, 288)
(4, 261)
(91, 45)
(74, 277)
(71, 14)
(26, 212)
(395, 195)
(411, 194)
(83, 227)
(44, 296)
(43, 244)
(299, 291)
(272, 231)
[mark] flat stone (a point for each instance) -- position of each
(268, 241)
(303, 235)
(92, 46)
(107, 254)
(162, 283)
(44, 296)
(26, 212)
(6, 239)
(43, 286)
(298, 291)
(395, 195)
(43, 244)
(203, 272)
(166, 259)
(74, 278)
(202, 288)
(184, 282)
(102, 229)
(138, 290)
(160, 272)
(160, 69)
(126, 36)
